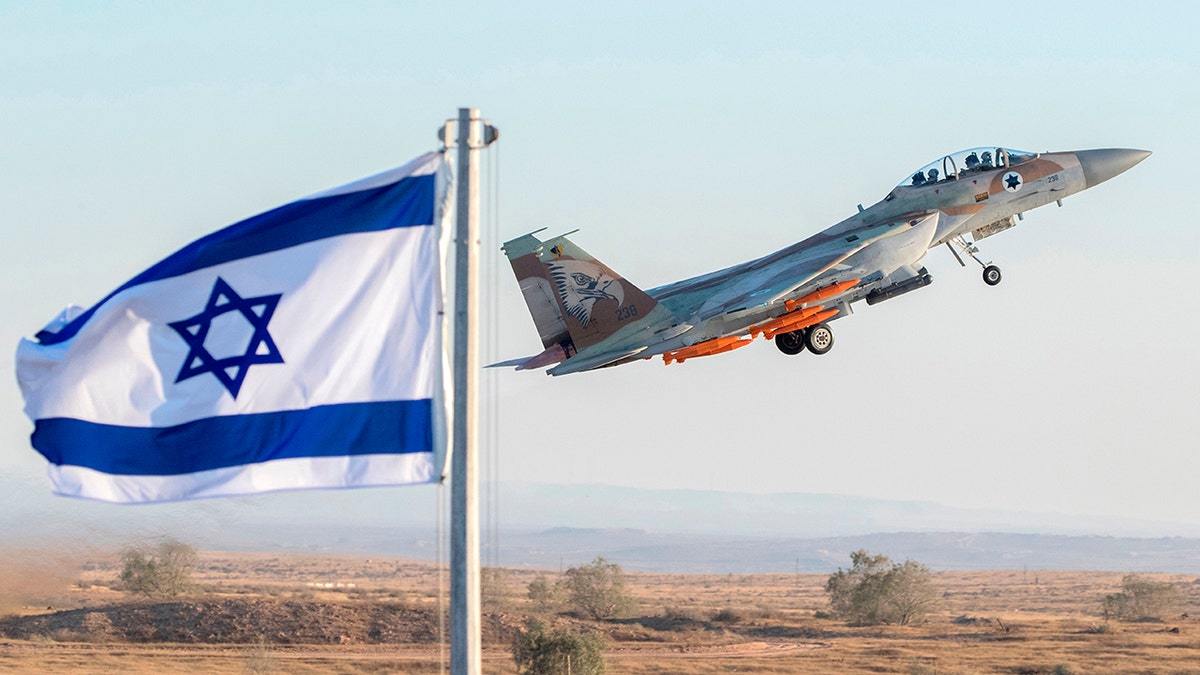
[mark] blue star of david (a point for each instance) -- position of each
(1013, 180)
(230, 371)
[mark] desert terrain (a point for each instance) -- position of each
(307, 613)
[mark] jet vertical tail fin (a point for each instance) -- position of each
(538, 290)
(575, 300)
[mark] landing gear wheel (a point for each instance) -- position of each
(790, 343)
(991, 275)
(819, 339)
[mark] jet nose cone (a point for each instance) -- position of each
(1100, 165)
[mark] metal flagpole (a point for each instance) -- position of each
(471, 134)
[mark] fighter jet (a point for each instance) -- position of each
(589, 317)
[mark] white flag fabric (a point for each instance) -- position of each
(300, 348)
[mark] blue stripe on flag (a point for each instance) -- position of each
(383, 427)
(408, 202)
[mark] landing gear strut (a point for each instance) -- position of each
(991, 273)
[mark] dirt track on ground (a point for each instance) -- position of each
(24, 656)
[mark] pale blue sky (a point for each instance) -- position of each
(682, 137)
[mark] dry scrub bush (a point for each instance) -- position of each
(728, 615)
(159, 568)
(1142, 598)
(875, 591)
(538, 651)
(597, 590)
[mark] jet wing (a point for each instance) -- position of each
(768, 283)
(771, 286)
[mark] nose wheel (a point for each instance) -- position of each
(991, 273)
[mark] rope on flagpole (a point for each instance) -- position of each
(441, 497)
(489, 440)
(494, 346)
(488, 280)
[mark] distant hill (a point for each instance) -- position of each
(646, 551)
(548, 526)
(786, 514)
(941, 551)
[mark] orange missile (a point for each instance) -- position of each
(719, 349)
(706, 348)
(702, 348)
(807, 319)
(822, 293)
(802, 323)
(774, 324)
(715, 349)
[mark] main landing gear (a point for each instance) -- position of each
(817, 339)
(991, 273)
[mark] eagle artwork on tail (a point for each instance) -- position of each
(580, 285)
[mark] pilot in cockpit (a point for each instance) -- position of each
(933, 175)
(987, 160)
(972, 161)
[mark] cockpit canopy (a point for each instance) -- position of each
(955, 166)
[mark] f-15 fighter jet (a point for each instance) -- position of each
(589, 317)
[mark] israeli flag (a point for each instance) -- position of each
(300, 348)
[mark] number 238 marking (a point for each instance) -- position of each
(626, 312)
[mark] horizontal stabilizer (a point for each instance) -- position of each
(552, 355)
(577, 364)
(511, 363)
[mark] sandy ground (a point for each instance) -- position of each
(278, 613)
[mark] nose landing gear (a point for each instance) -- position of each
(991, 273)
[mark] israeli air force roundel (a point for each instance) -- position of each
(1013, 181)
